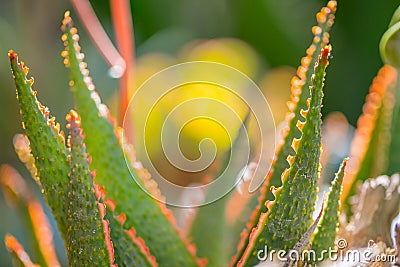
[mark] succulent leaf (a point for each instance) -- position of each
(150, 218)
(298, 102)
(326, 232)
(19, 256)
(125, 248)
(304, 240)
(394, 147)
(372, 138)
(389, 48)
(46, 142)
(390, 43)
(290, 215)
(129, 249)
(86, 242)
(127, 227)
(213, 215)
(298, 99)
(18, 193)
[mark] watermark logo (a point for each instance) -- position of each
(339, 253)
(198, 94)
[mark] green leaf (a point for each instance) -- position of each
(298, 99)
(304, 241)
(129, 250)
(19, 257)
(38, 230)
(290, 215)
(150, 218)
(86, 242)
(210, 225)
(46, 142)
(212, 216)
(298, 102)
(394, 147)
(389, 48)
(389, 45)
(326, 231)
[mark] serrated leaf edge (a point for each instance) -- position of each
(325, 18)
(150, 184)
(111, 204)
(254, 232)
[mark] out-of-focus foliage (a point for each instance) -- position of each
(270, 40)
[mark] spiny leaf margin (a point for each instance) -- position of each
(86, 241)
(46, 141)
(326, 232)
(129, 249)
(298, 101)
(146, 215)
(287, 216)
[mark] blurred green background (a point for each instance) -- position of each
(277, 32)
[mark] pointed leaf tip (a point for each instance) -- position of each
(46, 141)
(325, 54)
(85, 219)
(344, 163)
(287, 218)
(73, 117)
(324, 238)
(67, 14)
(66, 21)
(12, 55)
(109, 160)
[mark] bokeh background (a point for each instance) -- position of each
(263, 38)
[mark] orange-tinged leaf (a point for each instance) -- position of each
(47, 143)
(18, 254)
(371, 140)
(18, 193)
(152, 221)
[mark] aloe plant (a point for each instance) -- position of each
(105, 218)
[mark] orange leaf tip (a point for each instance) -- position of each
(73, 117)
(12, 55)
(325, 53)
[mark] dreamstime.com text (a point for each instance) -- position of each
(339, 253)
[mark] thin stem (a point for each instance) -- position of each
(123, 28)
(99, 37)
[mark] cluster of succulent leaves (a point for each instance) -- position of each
(105, 218)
